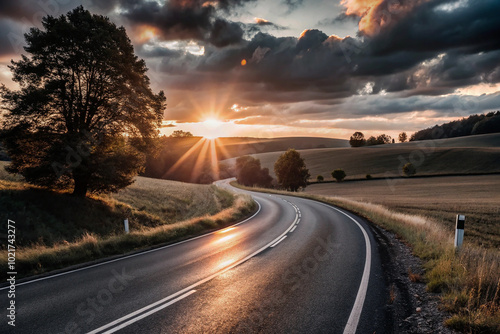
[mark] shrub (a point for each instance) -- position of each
(320, 178)
(409, 169)
(368, 177)
(338, 175)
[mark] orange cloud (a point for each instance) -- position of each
(259, 20)
(376, 14)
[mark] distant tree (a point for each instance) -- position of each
(181, 134)
(402, 137)
(250, 173)
(291, 171)
(320, 178)
(459, 128)
(338, 175)
(357, 139)
(368, 176)
(409, 169)
(371, 141)
(490, 124)
(84, 115)
(384, 139)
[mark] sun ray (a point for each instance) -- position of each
(224, 152)
(198, 165)
(184, 157)
(214, 160)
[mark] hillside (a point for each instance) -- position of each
(46, 218)
(472, 154)
(201, 152)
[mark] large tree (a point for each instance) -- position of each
(291, 171)
(85, 113)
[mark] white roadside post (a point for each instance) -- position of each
(126, 226)
(459, 231)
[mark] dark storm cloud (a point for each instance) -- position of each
(415, 51)
(187, 19)
(317, 67)
(429, 28)
(14, 9)
(225, 33)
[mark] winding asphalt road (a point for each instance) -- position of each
(296, 266)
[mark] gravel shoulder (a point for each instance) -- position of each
(413, 309)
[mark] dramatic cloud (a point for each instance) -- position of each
(378, 14)
(407, 57)
(187, 19)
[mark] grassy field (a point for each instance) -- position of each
(54, 229)
(468, 280)
(439, 198)
(473, 154)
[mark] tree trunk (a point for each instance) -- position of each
(81, 185)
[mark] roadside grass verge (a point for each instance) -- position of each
(476, 197)
(37, 259)
(468, 280)
(55, 230)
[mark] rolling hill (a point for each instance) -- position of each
(464, 155)
(190, 159)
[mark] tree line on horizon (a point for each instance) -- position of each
(472, 125)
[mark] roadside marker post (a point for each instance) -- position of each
(459, 231)
(126, 226)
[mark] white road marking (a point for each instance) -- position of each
(194, 285)
(352, 322)
(132, 255)
(142, 316)
(277, 242)
(293, 229)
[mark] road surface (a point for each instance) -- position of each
(296, 266)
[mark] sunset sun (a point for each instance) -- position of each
(212, 126)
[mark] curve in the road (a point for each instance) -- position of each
(165, 279)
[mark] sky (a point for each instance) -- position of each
(322, 68)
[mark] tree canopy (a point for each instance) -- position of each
(357, 139)
(181, 134)
(250, 173)
(472, 125)
(85, 113)
(291, 171)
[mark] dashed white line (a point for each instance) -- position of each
(293, 229)
(194, 285)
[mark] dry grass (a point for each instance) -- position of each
(173, 201)
(438, 198)
(38, 259)
(469, 280)
(55, 229)
(47, 218)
